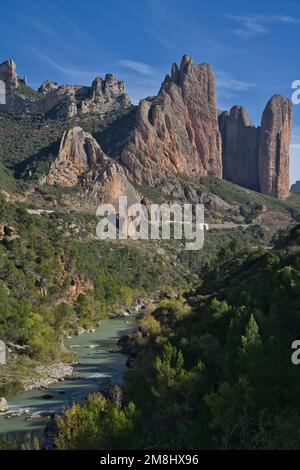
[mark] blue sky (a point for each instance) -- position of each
(252, 46)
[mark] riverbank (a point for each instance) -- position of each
(22, 374)
(94, 360)
(46, 375)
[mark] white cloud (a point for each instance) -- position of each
(139, 67)
(229, 87)
(226, 81)
(250, 26)
(283, 19)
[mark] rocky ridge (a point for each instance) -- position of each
(104, 95)
(274, 142)
(66, 101)
(8, 74)
(82, 161)
(240, 140)
(258, 157)
(176, 132)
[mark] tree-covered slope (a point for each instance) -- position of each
(214, 369)
(53, 281)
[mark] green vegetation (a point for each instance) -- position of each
(51, 283)
(55, 277)
(101, 424)
(26, 139)
(11, 388)
(212, 366)
(30, 142)
(25, 91)
(215, 366)
(7, 180)
(251, 201)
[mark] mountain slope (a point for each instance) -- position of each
(215, 366)
(175, 132)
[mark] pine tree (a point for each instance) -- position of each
(252, 336)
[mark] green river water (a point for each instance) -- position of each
(94, 363)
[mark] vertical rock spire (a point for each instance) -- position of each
(8, 74)
(239, 148)
(275, 136)
(177, 131)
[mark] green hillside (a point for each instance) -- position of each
(214, 365)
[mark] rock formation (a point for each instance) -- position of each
(240, 140)
(3, 405)
(274, 142)
(104, 95)
(81, 161)
(177, 131)
(67, 101)
(78, 153)
(258, 157)
(295, 188)
(48, 87)
(8, 74)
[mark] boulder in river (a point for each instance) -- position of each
(48, 396)
(80, 331)
(3, 405)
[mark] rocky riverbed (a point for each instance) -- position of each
(57, 386)
(46, 375)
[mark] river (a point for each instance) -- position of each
(94, 363)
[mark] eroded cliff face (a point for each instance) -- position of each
(295, 188)
(81, 161)
(104, 95)
(66, 101)
(240, 139)
(177, 131)
(174, 133)
(258, 157)
(274, 142)
(8, 74)
(78, 153)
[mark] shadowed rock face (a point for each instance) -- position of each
(8, 74)
(81, 161)
(177, 131)
(258, 157)
(295, 188)
(240, 140)
(275, 136)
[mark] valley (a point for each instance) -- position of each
(29, 411)
(198, 367)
